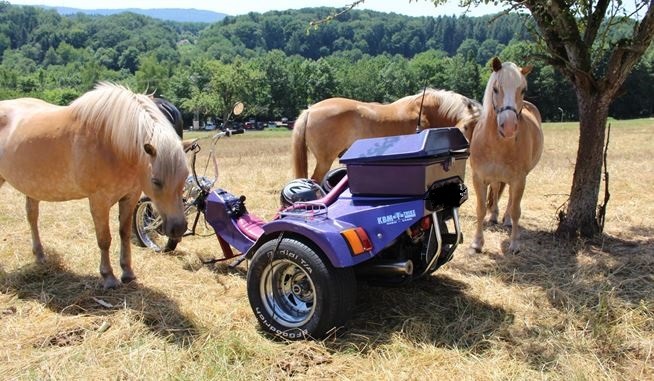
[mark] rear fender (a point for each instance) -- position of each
(383, 224)
(325, 235)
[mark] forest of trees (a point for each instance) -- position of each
(276, 64)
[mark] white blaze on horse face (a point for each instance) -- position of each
(508, 91)
(165, 187)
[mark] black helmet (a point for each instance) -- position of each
(300, 190)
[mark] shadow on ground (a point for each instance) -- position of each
(435, 310)
(69, 293)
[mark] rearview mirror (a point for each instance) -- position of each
(238, 108)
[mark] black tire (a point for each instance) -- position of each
(296, 294)
(146, 228)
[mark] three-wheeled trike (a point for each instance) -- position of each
(392, 218)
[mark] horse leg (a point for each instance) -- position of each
(496, 190)
(516, 190)
(322, 167)
(480, 190)
(506, 220)
(100, 214)
(32, 208)
(493, 202)
(125, 211)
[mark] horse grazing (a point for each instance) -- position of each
(108, 145)
(329, 127)
(506, 145)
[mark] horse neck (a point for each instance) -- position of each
(438, 116)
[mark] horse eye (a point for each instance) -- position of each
(157, 183)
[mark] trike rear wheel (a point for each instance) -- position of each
(295, 293)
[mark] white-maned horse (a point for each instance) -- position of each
(108, 146)
(506, 145)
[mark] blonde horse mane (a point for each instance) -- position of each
(129, 120)
(452, 105)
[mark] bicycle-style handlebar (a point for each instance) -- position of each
(227, 133)
(212, 156)
(236, 132)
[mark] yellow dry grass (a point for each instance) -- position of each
(557, 310)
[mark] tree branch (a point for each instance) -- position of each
(628, 51)
(347, 8)
(595, 21)
(601, 210)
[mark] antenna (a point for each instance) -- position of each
(422, 100)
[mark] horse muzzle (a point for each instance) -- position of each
(507, 124)
(174, 227)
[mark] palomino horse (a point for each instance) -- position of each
(329, 127)
(506, 144)
(108, 146)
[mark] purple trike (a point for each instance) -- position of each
(391, 219)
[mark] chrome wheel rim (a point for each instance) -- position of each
(288, 293)
(148, 225)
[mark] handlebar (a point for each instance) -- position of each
(227, 133)
(195, 148)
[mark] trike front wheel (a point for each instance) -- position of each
(147, 228)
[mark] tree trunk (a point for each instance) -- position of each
(581, 214)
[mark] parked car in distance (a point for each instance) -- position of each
(209, 127)
(254, 125)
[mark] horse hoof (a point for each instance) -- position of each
(471, 251)
(39, 255)
(514, 248)
(110, 282)
(128, 278)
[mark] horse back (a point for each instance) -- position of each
(43, 144)
(533, 110)
(14, 110)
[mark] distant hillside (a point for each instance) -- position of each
(170, 14)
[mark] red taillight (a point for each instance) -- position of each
(358, 240)
(425, 223)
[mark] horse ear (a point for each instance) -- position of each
(497, 64)
(527, 69)
(150, 150)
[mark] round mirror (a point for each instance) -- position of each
(238, 108)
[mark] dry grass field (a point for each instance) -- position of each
(558, 310)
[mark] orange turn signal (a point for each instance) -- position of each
(358, 240)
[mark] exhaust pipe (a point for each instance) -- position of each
(386, 268)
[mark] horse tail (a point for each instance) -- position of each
(299, 146)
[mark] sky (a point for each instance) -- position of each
(238, 7)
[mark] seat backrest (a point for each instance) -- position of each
(333, 194)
